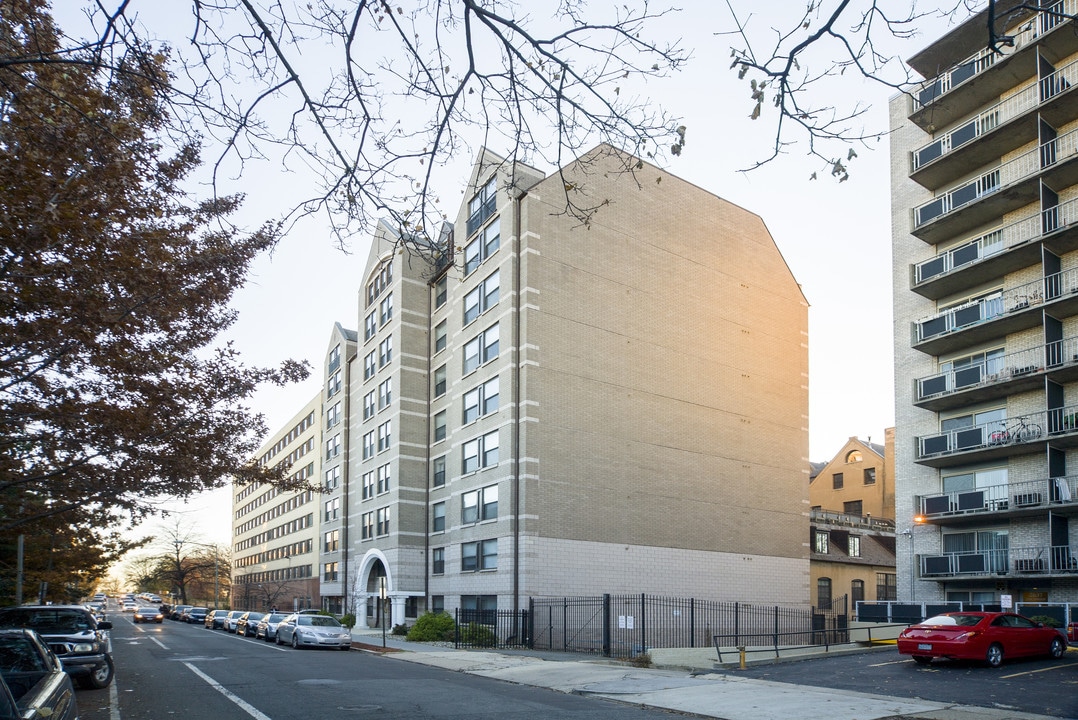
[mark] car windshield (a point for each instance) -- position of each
(147, 611)
(254, 616)
(47, 620)
(274, 618)
(18, 654)
(318, 621)
(956, 620)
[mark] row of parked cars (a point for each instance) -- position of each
(306, 628)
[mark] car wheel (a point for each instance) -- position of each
(922, 659)
(1057, 648)
(994, 656)
(100, 677)
(277, 639)
(295, 642)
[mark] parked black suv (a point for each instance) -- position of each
(77, 638)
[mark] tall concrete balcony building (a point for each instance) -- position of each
(551, 407)
(984, 202)
(275, 550)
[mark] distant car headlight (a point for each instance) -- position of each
(85, 647)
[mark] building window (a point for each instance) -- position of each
(438, 517)
(853, 507)
(333, 447)
(482, 452)
(385, 310)
(441, 291)
(333, 508)
(439, 426)
(482, 555)
(383, 479)
(479, 505)
(439, 381)
(437, 603)
(481, 349)
(385, 436)
(370, 325)
(334, 358)
(836, 481)
(438, 479)
(332, 541)
(333, 385)
(482, 205)
(886, 586)
(823, 593)
(440, 336)
(368, 445)
(385, 351)
(367, 523)
(857, 592)
(483, 400)
(333, 415)
(855, 546)
(854, 456)
(385, 393)
(483, 297)
(370, 365)
(333, 478)
(368, 485)
(330, 572)
(870, 476)
(437, 561)
(821, 542)
(368, 405)
(383, 521)
(483, 246)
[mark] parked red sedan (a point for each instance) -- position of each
(988, 636)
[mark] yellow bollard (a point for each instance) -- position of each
(741, 649)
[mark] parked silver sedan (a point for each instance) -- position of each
(267, 626)
(313, 631)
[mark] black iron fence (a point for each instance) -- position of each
(627, 625)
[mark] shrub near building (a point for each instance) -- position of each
(433, 627)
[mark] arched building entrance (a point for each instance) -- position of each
(372, 571)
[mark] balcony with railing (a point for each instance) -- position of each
(998, 130)
(1046, 560)
(992, 378)
(996, 253)
(1031, 497)
(1009, 187)
(1020, 435)
(986, 75)
(850, 520)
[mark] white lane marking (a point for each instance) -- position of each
(114, 701)
(163, 646)
(244, 705)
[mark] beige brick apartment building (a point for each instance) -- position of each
(564, 408)
(984, 186)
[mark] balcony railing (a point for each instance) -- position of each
(1019, 430)
(986, 58)
(1046, 559)
(1044, 493)
(1020, 168)
(1009, 302)
(831, 517)
(993, 371)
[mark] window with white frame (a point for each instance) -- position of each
(385, 393)
(368, 405)
(481, 401)
(385, 310)
(440, 336)
(439, 426)
(385, 351)
(367, 525)
(382, 520)
(855, 546)
(330, 572)
(483, 297)
(483, 246)
(370, 365)
(482, 452)
(333, 414)
(383, 478)
(333, 447)
(439, 381)
(332, 541)
(368, 485)
(821, 542)
(481, 555)
(333, 478)
(385, 436)
(438, 477)
(333, 384)
(479, 505)
(441, 291)
(481, 349)
(482, 205)
(333, 509)
(370, 325)
(368, 445)
(334, 358)
(437, 520)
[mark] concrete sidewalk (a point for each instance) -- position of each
(705, 695)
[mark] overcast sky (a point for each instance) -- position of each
(835, 238)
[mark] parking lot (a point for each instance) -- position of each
(1041, 686)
